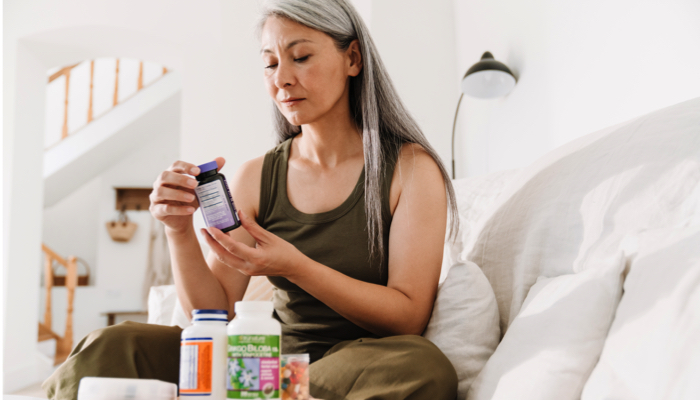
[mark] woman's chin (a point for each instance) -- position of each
(296, 120)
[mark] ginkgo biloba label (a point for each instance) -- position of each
(253, 352)
(253, 366)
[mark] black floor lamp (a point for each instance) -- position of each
(487, 79)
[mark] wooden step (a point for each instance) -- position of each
(61, 355)
(46, 334)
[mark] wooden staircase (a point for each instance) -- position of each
(64, 344)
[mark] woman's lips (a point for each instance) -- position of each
(292, 102)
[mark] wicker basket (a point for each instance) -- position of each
(121, 230)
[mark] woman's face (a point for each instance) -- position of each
(305, 73)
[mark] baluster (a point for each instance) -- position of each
(48, 281)
(92, 76)
(116, 86)
(140, 76)
(64, 134)
(71, 283)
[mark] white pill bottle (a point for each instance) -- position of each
(203, 356)
(254, 352)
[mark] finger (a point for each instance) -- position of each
(166, 194)
(220, 162)
(184, 168)
(256, 231)
(221, 253)
(163, 210)
(240, 250)
(176, 179)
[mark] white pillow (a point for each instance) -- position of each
(464, 323)
(554, 342)
(476, 197)
(653, 348)
(164, 307)
(180, 317)
(161, 303)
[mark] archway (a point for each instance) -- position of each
(23, 183)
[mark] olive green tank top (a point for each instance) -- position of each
(337, 239)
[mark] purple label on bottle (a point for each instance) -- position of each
(212, 199)
(270, 373)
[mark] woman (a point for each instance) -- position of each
(346, 216)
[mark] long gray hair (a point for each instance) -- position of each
(375, 106)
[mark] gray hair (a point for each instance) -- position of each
(375, 106)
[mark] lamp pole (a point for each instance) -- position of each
(487, 79)
(454, 125)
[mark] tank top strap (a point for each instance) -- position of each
(270, 179)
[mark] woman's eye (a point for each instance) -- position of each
(301, 59)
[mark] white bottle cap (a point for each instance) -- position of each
(210, 315)
(262, 307)
(92, 388)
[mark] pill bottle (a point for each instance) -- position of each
(254, 352)
(215, 199)
(294, 376)
(203, 356)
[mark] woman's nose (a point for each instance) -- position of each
(284, 76)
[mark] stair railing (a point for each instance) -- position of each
(66, 71)
(64, 344)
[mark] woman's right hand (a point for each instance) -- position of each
(172, 200)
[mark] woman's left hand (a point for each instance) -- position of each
(271, 256)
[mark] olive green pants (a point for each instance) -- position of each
(392, 368)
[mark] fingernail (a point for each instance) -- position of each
(190, 209)
(194, 170)
(193, 183)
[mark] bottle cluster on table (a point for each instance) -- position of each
(241, 359)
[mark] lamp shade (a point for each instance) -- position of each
(488, 79)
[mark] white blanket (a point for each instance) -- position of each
(581, 200)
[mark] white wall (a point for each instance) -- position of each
(582, 66)
(118, 268)
(38, 37)
(70, 226)
(416, 42)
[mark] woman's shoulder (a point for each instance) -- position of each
(252, 169)
(245, 185)
(415, 168)
(412, 158)
(247, 181)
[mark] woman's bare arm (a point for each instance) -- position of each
(415, 250)
(200, 283)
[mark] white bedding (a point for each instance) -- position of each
(653, 347)
(581, 200)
